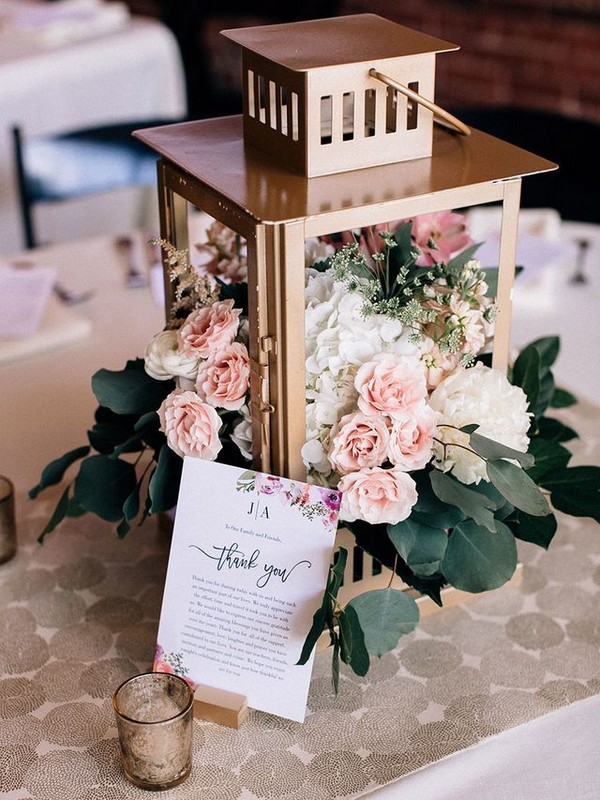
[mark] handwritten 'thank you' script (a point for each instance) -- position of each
(248, 565)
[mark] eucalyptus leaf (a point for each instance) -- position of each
(103, 485)
(316, 629)
(54, 472)
(575, 491)
(335, 665)
(549, 457)
(537, 530)
(421, 546)
(548, 348)
(352, 641)
(489, 449)
(478, 560)
(131, 506)
(385, 615)
(59, 513)
(526, 374)
(517, 487)
(562, 399)
(131, 390)
(474, 505)
(555, 430)
(163, 487)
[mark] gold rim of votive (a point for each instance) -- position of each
(169, 676)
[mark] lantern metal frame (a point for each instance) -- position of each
(207, 164)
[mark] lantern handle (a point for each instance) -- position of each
(445, 118)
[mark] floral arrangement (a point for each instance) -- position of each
(443, 462)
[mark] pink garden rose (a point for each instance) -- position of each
(268, 484)
(190, 425)
(210, 328)
(358, 441)
(223, 378)
(447, 229)
(377, 495)
(411, 437)
(389, 386)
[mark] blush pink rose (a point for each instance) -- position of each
(210, 328)
(190, 425)
(411, 437)
(377, 496)
(223, 378)
(358, 441)
(389, 387)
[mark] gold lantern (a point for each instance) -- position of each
(263, 175)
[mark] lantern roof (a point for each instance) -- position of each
(212, 151)
(352, 39)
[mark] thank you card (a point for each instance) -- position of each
(249, 561)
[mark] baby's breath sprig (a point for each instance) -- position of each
(422, 299)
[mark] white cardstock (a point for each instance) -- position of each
(248, 566)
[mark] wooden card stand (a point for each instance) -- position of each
(217, 705)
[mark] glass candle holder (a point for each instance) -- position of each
(8, 527)
(154, 714)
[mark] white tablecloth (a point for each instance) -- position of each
(133, 73)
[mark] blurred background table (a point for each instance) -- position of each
(133, 72)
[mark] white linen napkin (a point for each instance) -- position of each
(24, 295)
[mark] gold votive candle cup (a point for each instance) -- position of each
(8, 526)
(154, 713)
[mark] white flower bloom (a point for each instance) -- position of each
(482, 396)
(315, 250)
(164, 360)
(339, 340)
(242, 433)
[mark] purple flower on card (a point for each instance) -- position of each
(331, 498)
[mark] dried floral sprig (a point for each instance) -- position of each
(191, 289)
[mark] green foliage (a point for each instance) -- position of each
(478, 559)
(421, 546)
(131, 390)
(385, 615)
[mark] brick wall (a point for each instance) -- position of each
(541, 54)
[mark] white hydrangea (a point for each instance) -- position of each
(482, 396)
(338, 341)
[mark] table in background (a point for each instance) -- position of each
(80, 613)
(132, 73)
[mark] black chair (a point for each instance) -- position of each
(88, 161)
(568, 141)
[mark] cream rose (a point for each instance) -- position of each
(377, 495)
(164, 360)
(358, 441)
(389, 386)
(191, 426)
(223, 378)
(411, 438)
(210, 329)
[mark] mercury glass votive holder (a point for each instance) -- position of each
(154, 713)
(8, 526)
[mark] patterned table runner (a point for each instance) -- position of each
(80, 614)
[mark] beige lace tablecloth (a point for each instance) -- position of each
(80, 614)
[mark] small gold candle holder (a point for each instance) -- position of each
(8, 527)
(154, 713)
